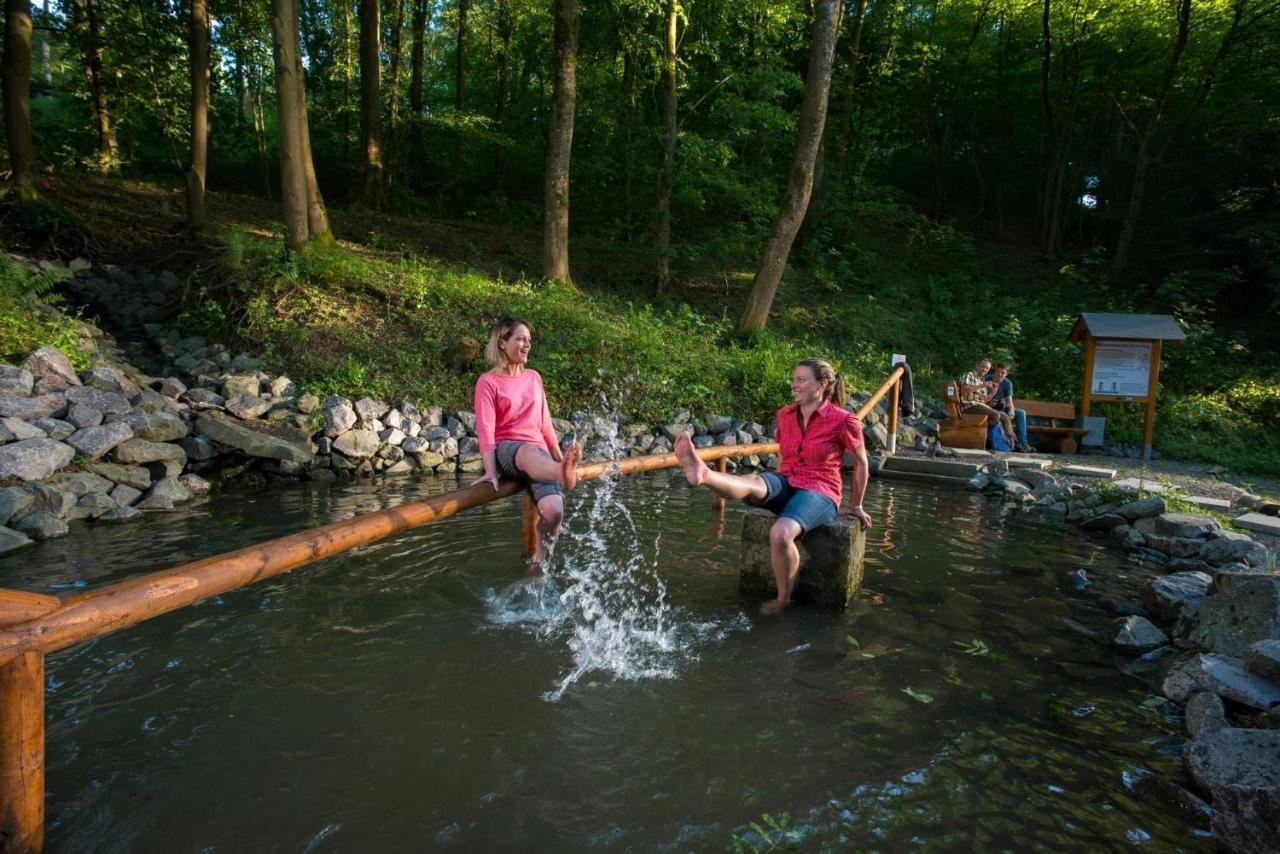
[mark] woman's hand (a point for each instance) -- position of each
(554, 451)
(487, 477)
(863, 518)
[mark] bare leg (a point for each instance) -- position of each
(538, 465)
(698, 473)
(786, 562)
(550, 517)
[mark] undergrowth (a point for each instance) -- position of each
(29, 315)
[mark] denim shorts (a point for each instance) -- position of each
(808, 508)
(505, 456)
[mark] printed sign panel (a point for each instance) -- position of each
(1121, 368)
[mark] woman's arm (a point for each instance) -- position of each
(486, 426)
(548, 429)
(851, 439)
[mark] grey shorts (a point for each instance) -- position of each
(505, 456)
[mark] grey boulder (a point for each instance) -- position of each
(12, 541)
(1136, 635)
(1235, 618)
(1167, 595)
(40, 525)
(267, 441)
(1224, 676)
(34, 459)
(1240, 769)
(94, 442)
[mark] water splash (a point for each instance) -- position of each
(602, 595)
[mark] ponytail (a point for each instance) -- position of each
(823, 372)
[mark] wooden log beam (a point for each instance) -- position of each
(22, 754)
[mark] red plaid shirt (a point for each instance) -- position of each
(811, 455)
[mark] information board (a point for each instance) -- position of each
(1121, 369)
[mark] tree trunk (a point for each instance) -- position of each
(629, 62)
(293, 178)
(414, 168)
(555, 204)
(17, 95)
(506, 28)
(846, 113)
(46, 64)
(259, 123)
(348, 80)
(393, 87)
(667, 161)
(199, 57)
(317, 216)
(459, 93)
(373, 192)
(91, 42)
(813, 114)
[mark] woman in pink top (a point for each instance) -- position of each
(513, 424)
(805, 491)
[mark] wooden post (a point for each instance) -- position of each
(1149, 421)
(893, 417)
(1086, 398)
(717, 501)
(529, 533)
(22, 731)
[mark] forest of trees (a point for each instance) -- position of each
(1141, 137)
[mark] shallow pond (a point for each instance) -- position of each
(422, 693)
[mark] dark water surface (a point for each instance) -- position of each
(398, 698)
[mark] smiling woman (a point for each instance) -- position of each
(513, 424)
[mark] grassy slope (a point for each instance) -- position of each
(384, 312)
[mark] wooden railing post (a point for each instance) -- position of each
(529, 530)
(717, 501)
(893, 417)
(22, 731)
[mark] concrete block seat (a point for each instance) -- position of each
(830, 560)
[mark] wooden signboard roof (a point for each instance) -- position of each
(1159, 327)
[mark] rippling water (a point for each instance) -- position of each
(424, 693)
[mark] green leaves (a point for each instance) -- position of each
(975, 647)
(918, 696)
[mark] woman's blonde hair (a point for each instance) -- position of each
(502, 330)
(823, 372)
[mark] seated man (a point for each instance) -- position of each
(1002, 399)
(974, 393)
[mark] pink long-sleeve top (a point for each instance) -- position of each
(512, 408)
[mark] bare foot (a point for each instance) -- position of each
(536, 560)
(695, 470)
(569, 466)
(773, 606)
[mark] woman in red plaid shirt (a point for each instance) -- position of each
(805, 491)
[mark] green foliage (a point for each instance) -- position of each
(770, 833)
(28, 320)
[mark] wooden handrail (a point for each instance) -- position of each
(34, 624)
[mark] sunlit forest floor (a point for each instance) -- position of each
(389, 310)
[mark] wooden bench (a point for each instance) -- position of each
(960, 429)
(1052, 437)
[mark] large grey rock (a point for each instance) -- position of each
(1105, 522)
(1232, 620)
(1185, 525)
(1224, 676)
(204, 398)
(12, 541)
(14, 501)
(435, 434)
(14, 406)
(1246, 550)
(1167, 595)
(1229, 573)
(54, 428)
(1264, 660)
(1175, 547)
(83, 416)
(51, 361)
(198, 448)
(369, 409)
(120, 514)
(164, 494)
(414, 445)
(80, 483)
(307, 403)
(357, 444)
(831, 558)
(34, 459)
(40, 525)
(247, 406)
(1240, 769)
(17, 381)
(94, 442)
(1205, 714)
(19, 430)
(135, 476)
(468, 420)
(1136, 635)
(282, 387)
(106, 402)
(1142, 508)
(276, 441)
(235, 384)
(1036, 478)
(161, 427)
(140, 452)
(392, 436)
(124, 495)
(107, 378)
(51, 499)
(198, 486)
(92, 506)
(172, 388)
(339, 417)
